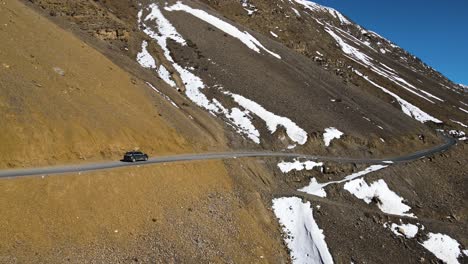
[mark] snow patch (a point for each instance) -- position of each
(297, 165)
(330, 134)
(296, 12)
(458, 122)
(406, 230)
(303, 236)
(388, 201)
(316, 188)
(350, 50)
(316, 7)
(166, 76)
(156, 26)
(244, 124)
(460, 135)
(383, 70)
(407, 108)
(443, 247)
(163, 95)
(463, 110)
(227, 28)
(272, 121)
(144, 58)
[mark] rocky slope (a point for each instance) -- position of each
(198, 76)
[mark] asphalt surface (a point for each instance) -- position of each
(44, 171)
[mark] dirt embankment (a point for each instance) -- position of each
(179, 213)
(62, 101)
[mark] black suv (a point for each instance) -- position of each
(134, 156)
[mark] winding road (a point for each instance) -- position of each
(43, 171)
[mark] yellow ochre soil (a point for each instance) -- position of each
(184, 213)
(63, 101)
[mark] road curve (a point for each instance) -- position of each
(43, 171)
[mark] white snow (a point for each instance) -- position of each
(443, 247)
(330, 134)
(407, 108)
(388, 201)
(303, 236)
(297, 165)
(272, 121)
(273, 34)
(144, 58)
(295, 11)
(241, 119)
(165, 29)
(244, 124)
(166, 75)
(316, 7)
(229, 29)
(458, 122)
(465, 252)
(193, 87)
(406, 230)
(464, 110)
(156, 26)
(350, 50)
(460, 135)
(313, 190)
(382, 69)
(193, 84)
(314, 187)
(163, 95)
(251, 9)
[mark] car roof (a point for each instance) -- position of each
(134, 152)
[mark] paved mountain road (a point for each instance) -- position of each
(217, 156)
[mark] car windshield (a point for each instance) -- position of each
(134, 153)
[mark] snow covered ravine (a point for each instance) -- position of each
(159, 28)
(303, 236)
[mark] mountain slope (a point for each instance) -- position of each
(342, 47)
(63, 102)
(285, 75)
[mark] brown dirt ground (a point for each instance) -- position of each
(92, 110)
(184, 213)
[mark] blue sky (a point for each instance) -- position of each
(434, 31)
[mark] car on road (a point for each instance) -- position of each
(134, 156)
